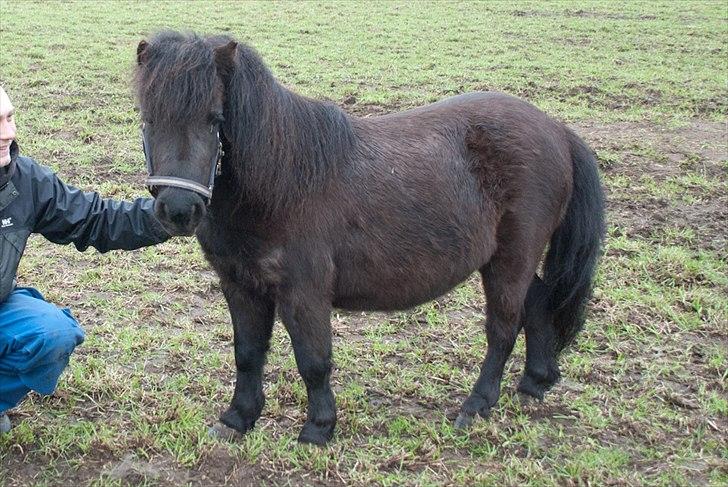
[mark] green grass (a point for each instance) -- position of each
(642, 401)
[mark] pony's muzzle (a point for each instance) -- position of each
(179, 210)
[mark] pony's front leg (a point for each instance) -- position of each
(252, 316)
(308, 321)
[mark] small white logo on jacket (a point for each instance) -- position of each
(6, 222)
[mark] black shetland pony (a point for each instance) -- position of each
(314, 209)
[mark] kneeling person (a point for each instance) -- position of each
(36, 337)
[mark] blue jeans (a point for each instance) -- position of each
(36, 341)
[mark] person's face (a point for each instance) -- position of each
(7, 127)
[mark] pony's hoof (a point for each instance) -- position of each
(474, 405)
(315, 435)
(527, 400)
(223, 432)
(532, 387)
(464, 421)
(536, 384)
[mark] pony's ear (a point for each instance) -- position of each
(142, 52)
(225, 59)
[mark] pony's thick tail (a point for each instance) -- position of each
(575, 247)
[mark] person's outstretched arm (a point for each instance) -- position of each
(65, 214)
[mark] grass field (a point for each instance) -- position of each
(643, 395)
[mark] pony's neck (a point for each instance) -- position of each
(284, 147)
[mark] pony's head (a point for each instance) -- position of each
(179, 82)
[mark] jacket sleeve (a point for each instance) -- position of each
(65, 214)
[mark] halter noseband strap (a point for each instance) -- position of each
(205, 191)
(154, 181)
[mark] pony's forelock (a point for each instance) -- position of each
(177, 80)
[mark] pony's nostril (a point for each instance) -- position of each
(198, 210)
(161, 210)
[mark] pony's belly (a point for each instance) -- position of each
(383, 292)
(406, 272)
(397, 302)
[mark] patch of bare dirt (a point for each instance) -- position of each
(216, 467)
(659, 153)
(708, 141)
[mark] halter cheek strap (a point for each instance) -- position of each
(155, 181)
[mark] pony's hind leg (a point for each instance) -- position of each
(541, 371)
(252, 317)
(308, 323)
(505, 279)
